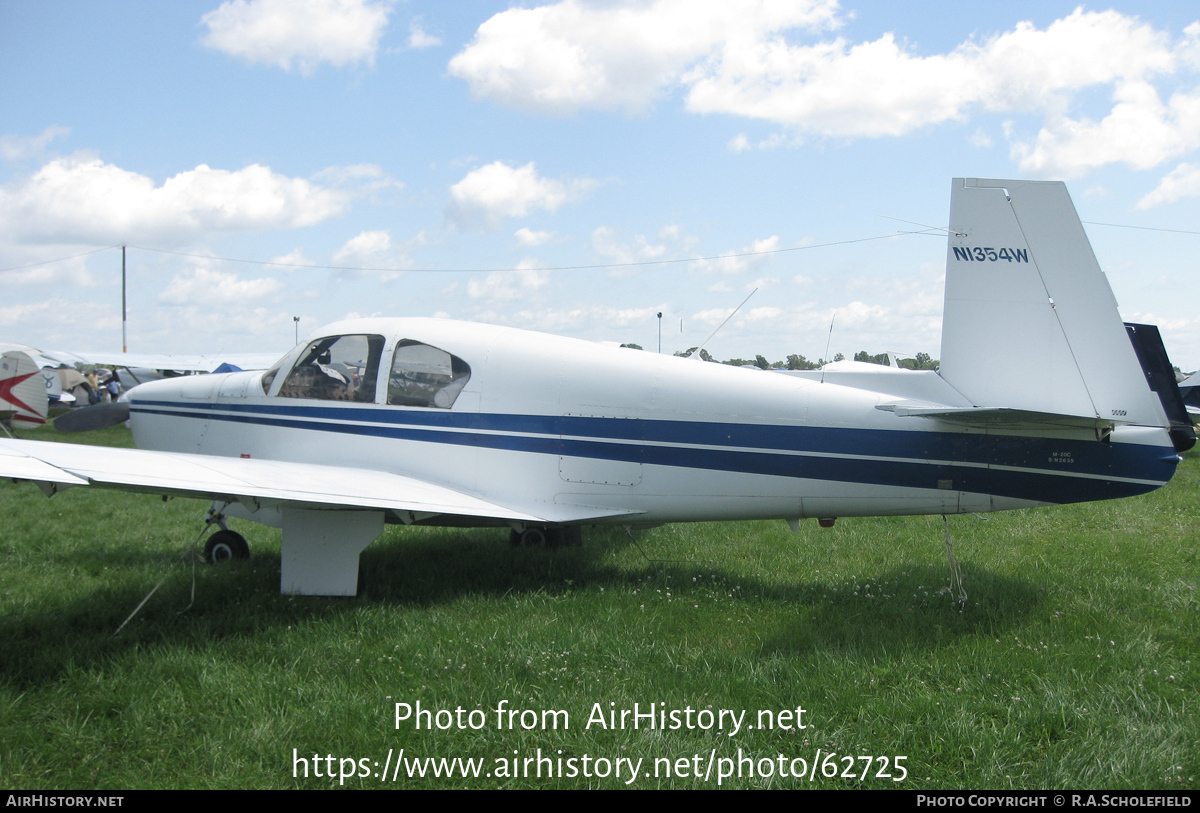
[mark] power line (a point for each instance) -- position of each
(593, 266)
(57, 260)
(543, 268)
(1143, 228)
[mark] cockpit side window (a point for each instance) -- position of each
(425, 376)
(337, 368)
(269, 376)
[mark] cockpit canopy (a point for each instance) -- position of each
(346, 368)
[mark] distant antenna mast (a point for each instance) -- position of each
(727, 318)
(124, 344)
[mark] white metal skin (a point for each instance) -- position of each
(23, 401)
(550, 431)
(533, 399)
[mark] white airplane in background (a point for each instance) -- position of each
(23, 402)
(1189, 388)
(1040, 399)
(132, 369)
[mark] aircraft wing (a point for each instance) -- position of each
(266, 482)
(183, 363)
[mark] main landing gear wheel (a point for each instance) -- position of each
(530, 537)
(571, 537)
(224, 546)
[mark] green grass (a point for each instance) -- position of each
(1073, 665)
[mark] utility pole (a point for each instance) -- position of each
(124, 343)
(660, 332)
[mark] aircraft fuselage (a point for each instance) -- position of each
(553, 426)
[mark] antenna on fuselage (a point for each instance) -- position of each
(696, 353)
(825, 358)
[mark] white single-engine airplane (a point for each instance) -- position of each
(1040, 399)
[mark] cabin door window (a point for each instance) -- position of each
(425, 376)
(337, 368)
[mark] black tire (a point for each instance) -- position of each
(546, 537)
(534, 538)
(530, 538)
(224, 546)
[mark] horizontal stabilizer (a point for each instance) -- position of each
(996, 417)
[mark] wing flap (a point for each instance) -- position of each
(19, 466)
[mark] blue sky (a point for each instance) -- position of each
(462, 151)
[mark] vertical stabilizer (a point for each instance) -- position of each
(1030, 321)
(23, 401)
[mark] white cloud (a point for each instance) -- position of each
(507, 286)
(740, 143)
(17, 148)
(1140, 131)
(712, 316)
(374, 251)
(83, 200)
(418, 38)
(612, 56)
(358, 179)
(863, 315)
(741, 260)
(42, 323)
(599, 321)
(1181, 182)
(767, 313)
(528, 237)
(882, 88)
(42, 265)
(204, 286)
(606, 245)
(979, 138)
(364, 247)
(491, 193)
(751, 60)
(293, 258)
(762, 283)
(303, 33)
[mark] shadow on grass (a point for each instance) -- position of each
(906, 609)
(438, 567)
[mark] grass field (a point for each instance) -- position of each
(1074, 664)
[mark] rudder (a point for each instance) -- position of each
(1030, 321)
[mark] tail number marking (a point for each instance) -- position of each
(989, 254)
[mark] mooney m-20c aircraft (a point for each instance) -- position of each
(1040, 399)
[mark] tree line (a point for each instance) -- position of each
(795, 361)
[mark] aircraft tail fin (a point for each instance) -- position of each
(1160, 375)
(1030, 322)
(23, 401)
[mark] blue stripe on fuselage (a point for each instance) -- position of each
(590, 437)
